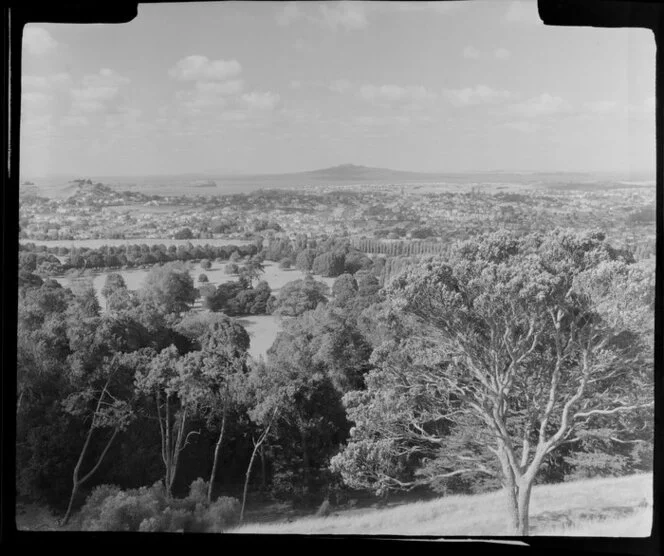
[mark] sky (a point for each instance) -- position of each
(262, 87)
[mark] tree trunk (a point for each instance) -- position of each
(169, 453)
(305, 460)
(518, 506)
(512, 507)
(75, 481)
(257, 445)
(524, 508)
(74, 492)
(263, 468)
(217, 450)
(246, 482)
(175, 457)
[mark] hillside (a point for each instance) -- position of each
(597, 507)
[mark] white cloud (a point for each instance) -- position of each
(395, 93)
(502, 53)
(125, 118)
(352, 15)
(646, 108)
(88, 106)
(340, 85)
(471, 53)
(232, 116)
(261, 101)
(194, 101)
(346, 14)
(96, 91)
(295, 84)
(225, 88)
(74, 121)
(523, 126)
(523, 11)
(349, 15)
(289, 13)
(37, 40)
(418, 6)
(481, 94)
(601, 106)
(35, 100)
(650, 103)
(33, 81)
(36, 127)
(200, 68)
(542, 105)
(100, 93)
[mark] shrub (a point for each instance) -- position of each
(198, 490)
(147, 510)
(125, 511)
(93, 503)
(223, 513)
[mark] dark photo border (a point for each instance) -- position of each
(578, 13)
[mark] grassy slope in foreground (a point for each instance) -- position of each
(598, 507)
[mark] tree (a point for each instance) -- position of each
(114, 282)
(328, 341)
(262, 294)
(206, 264)
(184, 233)
(522, 351)
(170, 383)
(170, 287)
(330, 263)
(219, 368)
(103, 409)
(299, 296)
(232, 268)
(28, 279)
(355, 261)
(285, 263)
(224, 297)
(311, 422)
(252, 270)
(202, 278)
(305, 260)
(344, 289)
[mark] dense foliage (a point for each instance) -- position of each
(512, 358)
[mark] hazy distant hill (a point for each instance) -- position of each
(345, 174)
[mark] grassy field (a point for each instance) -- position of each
(598, 507)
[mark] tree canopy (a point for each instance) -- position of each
(520, 348)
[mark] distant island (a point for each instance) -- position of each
(203, 183)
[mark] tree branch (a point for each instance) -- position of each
(611, 411)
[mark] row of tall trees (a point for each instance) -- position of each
(400, 247)
(32, 256)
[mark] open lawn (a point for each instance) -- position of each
(598, 507)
